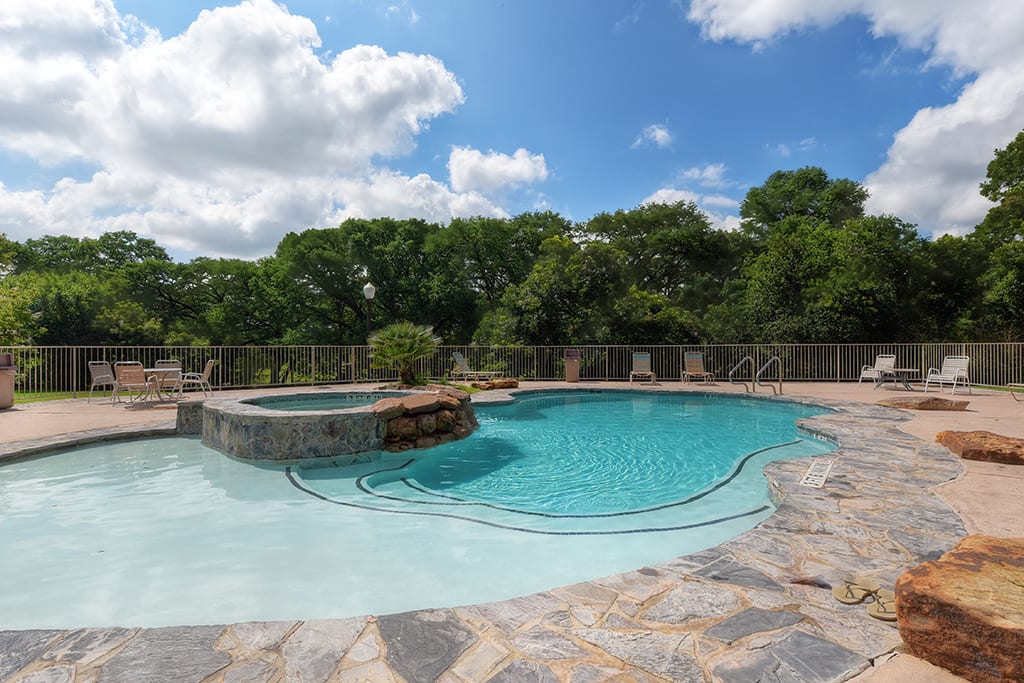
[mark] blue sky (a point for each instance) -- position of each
(217, 128)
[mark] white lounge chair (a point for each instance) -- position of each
(198, 379)
(463, 372)
(884, 363)
(953, 371)
(102, 375)
(693, 367)
(642, 368)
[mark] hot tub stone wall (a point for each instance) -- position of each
(280, 436)
(421, 419)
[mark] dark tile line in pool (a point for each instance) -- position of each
(456, 501)
(507, 527)
(726, 614)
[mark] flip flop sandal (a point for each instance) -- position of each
(854, 591)
(884, 606)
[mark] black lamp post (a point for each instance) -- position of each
(369, 291)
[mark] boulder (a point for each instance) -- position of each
(965, 611)
(445, 420)
(426, 423)
(420, 403)
(985, 446)
(402, 428)
(388, 408)
(924, 403)
(501, 383)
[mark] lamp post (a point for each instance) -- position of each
(369, 291)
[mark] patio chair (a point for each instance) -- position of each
(131, 376)
(462, 370)
(168, 379)
(102, 375)
(693, 367)
(953, 371)
(642, 368)
(884, 363)
(198, 379)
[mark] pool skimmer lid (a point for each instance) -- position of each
(817, 473)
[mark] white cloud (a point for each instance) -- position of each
(671, 195)
(711, 175)
(472, 170)
(655, 134)
(933, 168)
(218, 140)
(720, 209)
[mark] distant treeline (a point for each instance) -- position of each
(807, 265)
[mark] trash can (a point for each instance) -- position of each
(7, 373)
(572, 365)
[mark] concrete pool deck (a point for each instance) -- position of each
(725, 614)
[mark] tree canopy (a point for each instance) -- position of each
(807, 265)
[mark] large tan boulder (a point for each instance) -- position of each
(923, 403)
(965, 611)
(985, 446)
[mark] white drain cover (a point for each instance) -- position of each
(817, 473)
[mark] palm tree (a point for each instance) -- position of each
(400, 345)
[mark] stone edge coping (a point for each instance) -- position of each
(242, 406)
(750, 563)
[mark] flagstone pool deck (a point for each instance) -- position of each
(893, 499)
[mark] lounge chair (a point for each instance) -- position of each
(953, 371)
(198, 379)
(102, 375)
(642, 368)
(462, 370)
(693, 367)
(131, 376)
(884, 363)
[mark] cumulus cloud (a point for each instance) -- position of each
(710, 175)
(472, 170)
(220, 139)
(656, 134)
(932, 170)
(720, 209)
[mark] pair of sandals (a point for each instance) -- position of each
(858, 590)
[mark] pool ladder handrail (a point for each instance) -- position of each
(755, 379)
(736, 367)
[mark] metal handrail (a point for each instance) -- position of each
(736, 367)
(757, 378)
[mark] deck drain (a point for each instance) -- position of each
(817, 473)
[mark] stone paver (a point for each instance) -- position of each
(731, 612)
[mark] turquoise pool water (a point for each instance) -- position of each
(339, 400)
(550, 491)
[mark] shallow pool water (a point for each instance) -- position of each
(165, 531)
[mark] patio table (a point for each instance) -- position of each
(158, 376)
(901, 375)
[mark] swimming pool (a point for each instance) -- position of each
(167, 531)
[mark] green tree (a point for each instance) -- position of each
(807, 192)
(400, 345)
(1000, 236)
